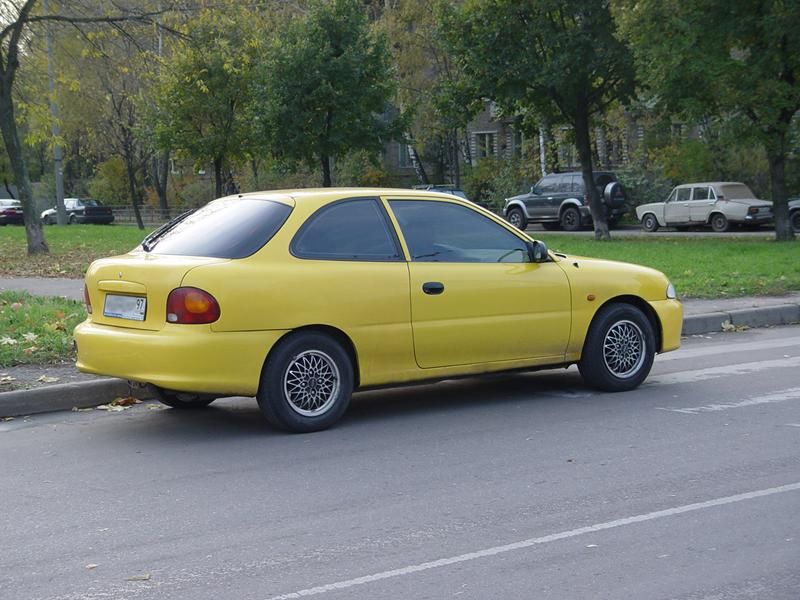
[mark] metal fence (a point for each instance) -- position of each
(124, 215)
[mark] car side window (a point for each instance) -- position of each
(673, 194)
(70, 204)
(446, 232)
(356, 229)
(700, 193)
(548, 185)
(565, 184)
(684, 194)
(577, 183)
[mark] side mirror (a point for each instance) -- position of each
(537, 251)
(533, 190)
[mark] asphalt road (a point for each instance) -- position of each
(763, 232)
(514, 487)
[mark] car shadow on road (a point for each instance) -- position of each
(240, 417)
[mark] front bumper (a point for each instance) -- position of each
(186, 358)
(670, 315)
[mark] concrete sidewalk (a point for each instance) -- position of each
(700, 316)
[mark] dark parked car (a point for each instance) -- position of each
(559, 200)
(11, 212)
(81, 211)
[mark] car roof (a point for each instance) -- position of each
(714, 183)
(325, 195)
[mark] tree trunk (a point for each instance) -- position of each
(254, 168)
(160, 175)
(132, 190)
(419, 168)
(584, 145)
(325, 160)
(456, 157)
(776, 155)
(218, 177)
(8, 126)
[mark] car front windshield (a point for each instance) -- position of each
(738, 191)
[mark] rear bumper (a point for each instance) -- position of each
(96, 219)
(187, 358)
(670, 314)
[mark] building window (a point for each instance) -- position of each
(485, 145)
(404, 160)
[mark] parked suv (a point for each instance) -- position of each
(559, 200)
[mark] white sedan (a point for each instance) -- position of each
(718, 204)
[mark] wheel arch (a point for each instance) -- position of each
(713, 213)
(639, 303)
(333, 332)
(569, 202)
(517, 204)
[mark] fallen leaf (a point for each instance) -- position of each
(30, 350)
(8, 341)
(76, 409)
(30, 337)
(16, 305)
(127, 401)
(110, 408)
(155, 406)
(47, 379)
(91, 566)
(7, 379)
(145, 577)
(7, 418)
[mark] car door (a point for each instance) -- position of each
(543, 194)
(676, 209)
(702, 202)
(475, 297)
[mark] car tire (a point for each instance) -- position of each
(570, 219)
(182, 400)
(795, 220)
(73, 219)
(306, 383)
(619, 349)
(517, 218)
(550, 226)
(719, 223)
(649, 222)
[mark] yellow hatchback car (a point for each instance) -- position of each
(300, 297)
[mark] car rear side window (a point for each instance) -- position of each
(226, 228)
(355, 229)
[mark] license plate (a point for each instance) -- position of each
(125, 307)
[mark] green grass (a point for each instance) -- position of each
(701, 267)
(36, 330)
(72, 249)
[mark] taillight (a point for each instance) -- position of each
(191, 306)
(86, 299)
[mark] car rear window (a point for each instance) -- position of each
(737, 192)
(227, 228)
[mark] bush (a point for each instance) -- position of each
(110, 182)
(493, 180)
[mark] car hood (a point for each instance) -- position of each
(519, 197)
(607, 279)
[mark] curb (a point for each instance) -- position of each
(765, 316)
(87, 394)
(64, 396)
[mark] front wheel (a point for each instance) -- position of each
(719, 223)
(517, 218)
(649, 222)
(619, 349)
(795, 219)
(571, 219)
(182, 400)
(306, 383)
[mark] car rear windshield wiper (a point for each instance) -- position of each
(151, 240)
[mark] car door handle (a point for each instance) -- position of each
(433, 288)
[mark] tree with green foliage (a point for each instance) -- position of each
(738, 60)
(324, 87)
(560, 58)
(204, 93)
(18, 20)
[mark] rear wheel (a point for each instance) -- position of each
(306, 383)
(795, 219)
(719, 223)
(570, 219)
(517, 218)
(73, 219)
(182, 400)
(619, 349)
(649, 222)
